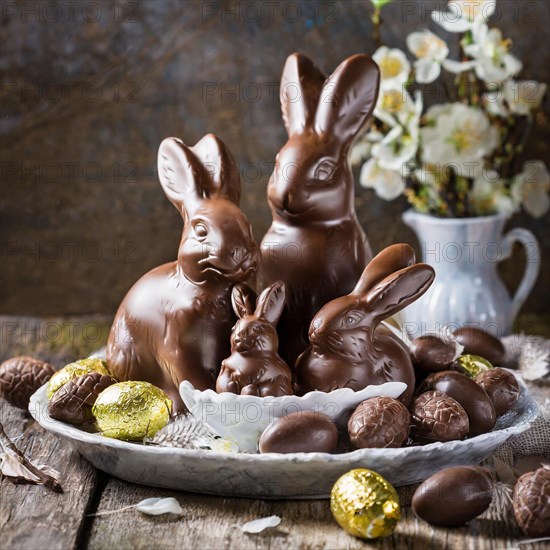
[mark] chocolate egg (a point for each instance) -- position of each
(73, 402)
(365, 504)
(433, 353)
(479, 342)
(379, 422)
(532, 502)
(501, 386)
(74, 370)
(454, 496)
(132, 410)
(300, 432)
(472, 397)
(21, 376)
(438, 417)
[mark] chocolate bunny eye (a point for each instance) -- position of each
(324, 171)
(352, 318)
(200, 231)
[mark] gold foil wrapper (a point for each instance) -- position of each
(132, 410)
(472, 365)
(365, 504)
(74, 370)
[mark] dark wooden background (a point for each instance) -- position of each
(90, 89)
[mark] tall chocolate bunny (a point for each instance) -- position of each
(175, 322)
(315, 243)
(347, 349)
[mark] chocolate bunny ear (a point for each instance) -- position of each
(398, 290)
(243, 299)
(301, 86)
(181, 174)
(271, 302)
(220, 165)
(388, 261)
(348, 98)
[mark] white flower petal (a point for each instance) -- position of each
(537, 204)
(456, 67)
(392, 135)
(359, 152)
(159, 506)
(451, 22)
(258, 525)
(426, 70)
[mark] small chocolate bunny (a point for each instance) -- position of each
(175, 322)
(254, 367)
(315, 243)
(346, 348)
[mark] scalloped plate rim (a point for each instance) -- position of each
(72, 432)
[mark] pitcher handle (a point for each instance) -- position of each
(532, 268)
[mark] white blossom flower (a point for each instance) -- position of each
(458, 136)
(461, 15)
(431, 51)
(394, 67)
(516, 97)
(494, 103)
(360, 151)
(524, 96)
(387, 184)
(400, 144)
(494, 63)
(489, 195)
(531, 187)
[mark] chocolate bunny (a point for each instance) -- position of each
(346, 348)
(315, 243)
(254, 367)
(175, 322)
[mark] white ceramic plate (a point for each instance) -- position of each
(298, 475)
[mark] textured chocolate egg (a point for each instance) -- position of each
(532, 502)
(73, 402)
(21, 376)
(433, 353)
(300, 432)
(379, 422)
(470, 395)
(438, 417)
(501, 386)
(479, 342)
(453, 496)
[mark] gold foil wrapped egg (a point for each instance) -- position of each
(132, 410)
(364, 504)
(473, 365)
(74, 370)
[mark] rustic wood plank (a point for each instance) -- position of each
(32, 516)
(212, 522)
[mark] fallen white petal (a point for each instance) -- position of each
(159, 506)
(258, 525)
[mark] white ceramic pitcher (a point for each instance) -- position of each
(467, 289)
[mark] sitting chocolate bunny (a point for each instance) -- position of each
(254, 367)
(315, 243)
(175, 322)
(347, 350)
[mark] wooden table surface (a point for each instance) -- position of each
(33, 517)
